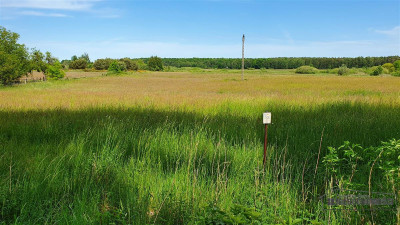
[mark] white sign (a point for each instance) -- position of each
(267, 118)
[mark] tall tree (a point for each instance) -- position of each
(85, 56)
(14, 57)
(155, 64)
(38, 61)
(50, 59)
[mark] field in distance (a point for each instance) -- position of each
(207, 87)
(186, 147)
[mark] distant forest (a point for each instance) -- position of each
(277, 63)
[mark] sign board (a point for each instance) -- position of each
(267, 118)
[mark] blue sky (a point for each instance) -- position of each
(206, 28)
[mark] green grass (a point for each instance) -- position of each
(141, 165)
(186, 147)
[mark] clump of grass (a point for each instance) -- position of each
(306, 70)
(343, 70)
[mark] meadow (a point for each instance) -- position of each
(185, 147)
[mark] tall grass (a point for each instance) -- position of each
(147, 165)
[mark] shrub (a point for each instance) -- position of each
(396, 73)
(78, 64)
(306, 70)
(155, 64)
(141, 65)
(343, 70)
(55, 71)
(389, 67)
(117, 67)
(385, 71)
(130, 64)
(102, 64)
(352, 159)
(396, 65)
(376, 70)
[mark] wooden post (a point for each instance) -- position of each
(265, 145)
(266, 121)
(243, 57)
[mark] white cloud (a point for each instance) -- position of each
(36, 13)
(395, 31)
(50, 4)
(55, 8)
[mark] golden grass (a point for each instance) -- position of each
(186, 88)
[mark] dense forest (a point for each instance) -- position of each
(277, 63)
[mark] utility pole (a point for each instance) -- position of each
(243, 57)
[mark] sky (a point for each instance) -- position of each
(206, 28)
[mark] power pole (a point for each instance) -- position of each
(243, 57)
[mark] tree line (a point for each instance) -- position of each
(278, 63)
(16, 60)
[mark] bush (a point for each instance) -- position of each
(117, 67)
(102, 64)
(389, 67)
(343, 70)
(306, 70)
(155, 64)
(55, 71)
(130, 64)
(141, 65)
(396, 65)
(78, 64)
(396, 73)
(385, 71)
(376, 70)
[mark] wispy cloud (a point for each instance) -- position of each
(36, 13)
(56, 8)
(395, 31)
(50, 4)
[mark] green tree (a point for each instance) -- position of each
(65, 63)
(389, 67)
(130, 64)
(50, 59)
(102, 64)
(155, 64)
(74, 57)
(37, 61)
(78, 64)
(55, 71)
(85, 56)
(14, 57)
(396, 65)
(376, 70)
(141, 64)
(116, 67)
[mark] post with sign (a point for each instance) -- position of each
(266, 121)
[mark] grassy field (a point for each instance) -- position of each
(186, 147)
